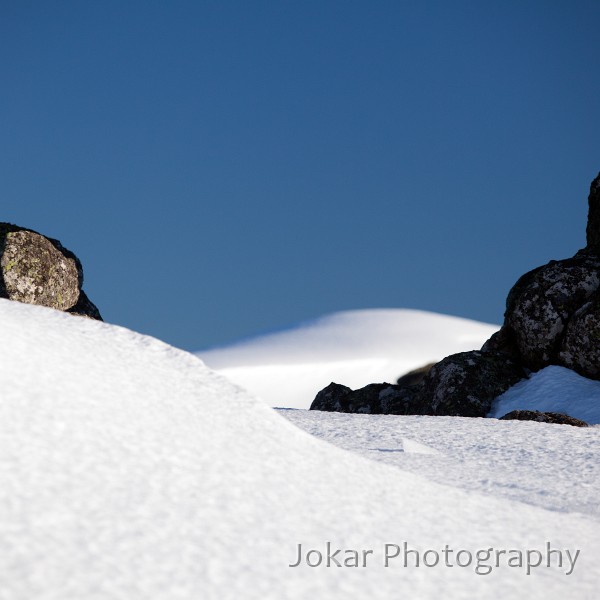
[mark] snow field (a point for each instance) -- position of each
(130, 470)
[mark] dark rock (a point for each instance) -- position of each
(593, 224)
(467, 383)
(333, 398)
(39, 270)
(415, 377)
(580, 348)
(366, 400)
(373, 399)
(543, 417)
(400, 400)
(543, 300)
(519, 287)
(503, 342)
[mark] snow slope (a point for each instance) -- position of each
(129, 470)
(354, 348)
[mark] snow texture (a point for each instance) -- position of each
(553, 466)
(129, 470)
(354, 348)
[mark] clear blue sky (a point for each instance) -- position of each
(224, 168)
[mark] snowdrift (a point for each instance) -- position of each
(553, 389)
(130, 470)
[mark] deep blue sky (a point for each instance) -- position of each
(223, 168)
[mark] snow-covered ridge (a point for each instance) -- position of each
(354, 348)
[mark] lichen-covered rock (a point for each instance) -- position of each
(332, 398)
(39, 270)
(543, 300)
(466, 384)
(580, 349)
(543, 417)
(416, 376)
(34, 271)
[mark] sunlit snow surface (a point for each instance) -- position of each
(553, 466)
(353, 348)
(128, 470)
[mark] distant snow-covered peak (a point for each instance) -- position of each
(355, 348)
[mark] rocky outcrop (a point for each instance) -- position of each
(401, 400)
(374, 399)
(467, 383)
(552, 318)
(39, 270)
(463, 384)
(548, 309)
(543, 301)
(543, 417)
